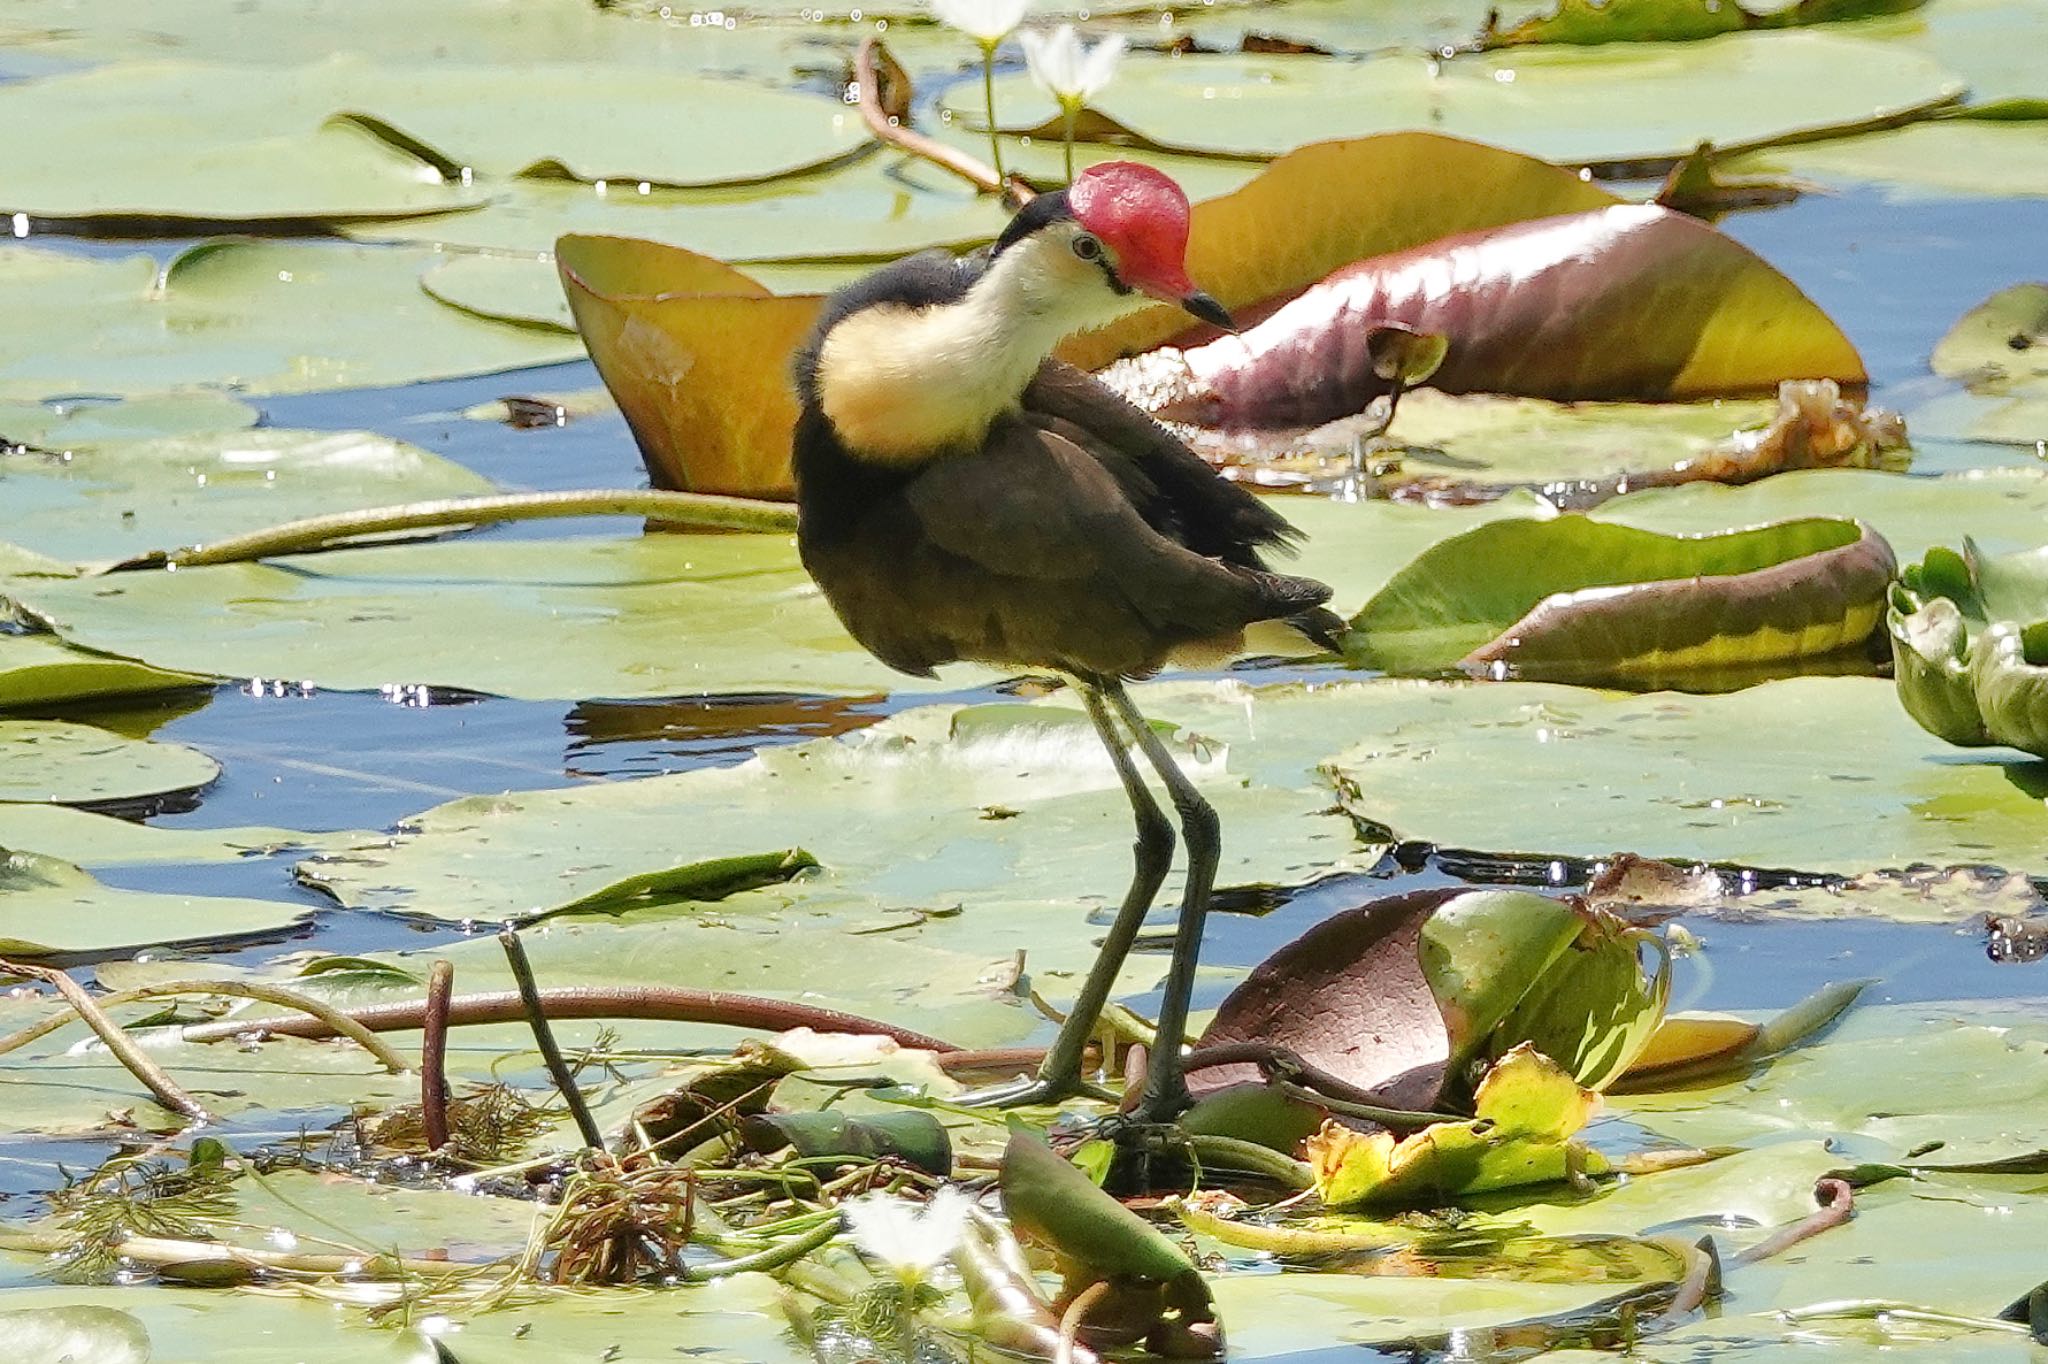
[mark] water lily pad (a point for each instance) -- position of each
(67, 423)
(1759, 777)
(658, 615)
(872, 211)
(96, 841)
(265, 317)
(1586, 601)
(1950, 158)
(124, 498)
(50, 907)
(1637, 21)
(622, 128)
(2002, 508)
(1576, 105)
(924, 784)
(207, 145)
(37, 671)
(105, 1335)
(68, 764)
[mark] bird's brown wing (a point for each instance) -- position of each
(1030, 551)
(1169, 484)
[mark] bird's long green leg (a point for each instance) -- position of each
(1059, 1075)
(1166, 1088)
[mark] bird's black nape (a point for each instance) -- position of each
(1042, 210)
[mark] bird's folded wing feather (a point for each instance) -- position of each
(1209, 514)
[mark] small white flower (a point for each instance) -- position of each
(988, 22)
(1067, 69)
(911, 1239)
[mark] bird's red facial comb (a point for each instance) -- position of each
(1142, 216)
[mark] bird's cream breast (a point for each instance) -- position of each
(901, 384)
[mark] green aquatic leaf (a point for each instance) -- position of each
(914, 1137)
(178, 147)
(1591, 22)
(1758, 778)
(1970, 646)
(120, 499)
(1580, 600)
(50, 908)
(656, 615)
(1950, 158)
(98, 841)
(65, 424)
(2002, 507)
(103, 1335)
(62, 763)
(36, 671)
(261, 316)
(1573, 105)
(1055, 1205)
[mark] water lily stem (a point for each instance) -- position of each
(167, 1091)
(333, 1021)
(664, 1003)
(315, 533)
(1072, 110)
(774, 1257)
(1231, 1153)
(867, 85)
(544, 1038)
(988, 98)
(434, 1054)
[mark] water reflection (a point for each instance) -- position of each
(623, 738)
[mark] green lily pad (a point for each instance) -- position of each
(49, 907)
(1573, 105)
(65, 764)
(64, 424)
(1637, 21)
(37, 671)
(105, 1335)
(1585, 601)
(2002, 507)
(2001, 345)
(657, 615)
(204, 144)
(896, 815)
(262, 316)
(566, 123)
(1948, 158)
(117, 500)
(97, 841)
(1970, 646)
(1759, 778)
(1485, 441)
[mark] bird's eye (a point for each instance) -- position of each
(1087, 248)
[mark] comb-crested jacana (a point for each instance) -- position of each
(963, 496)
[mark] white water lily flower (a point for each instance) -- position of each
(988, 22)
(1066, 68)
(911, 1239)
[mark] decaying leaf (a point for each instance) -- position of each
(1528, 1109)
(1531, 309)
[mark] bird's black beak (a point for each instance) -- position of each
(1209, 310)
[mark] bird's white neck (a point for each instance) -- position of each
(902, 385)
